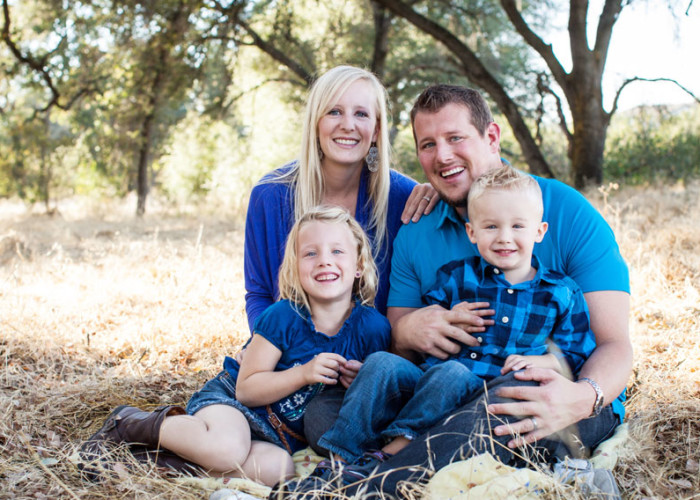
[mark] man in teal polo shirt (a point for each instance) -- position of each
(456, 141)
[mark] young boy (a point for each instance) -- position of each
(541, 319)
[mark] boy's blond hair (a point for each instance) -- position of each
(365, 287)
(505, 178)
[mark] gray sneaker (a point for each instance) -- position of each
(594, 483)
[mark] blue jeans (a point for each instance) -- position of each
(392, 397)
(466, 433)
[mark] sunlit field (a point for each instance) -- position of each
(99, 309)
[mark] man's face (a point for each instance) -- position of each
(453, 153)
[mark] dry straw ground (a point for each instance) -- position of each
(101, 309)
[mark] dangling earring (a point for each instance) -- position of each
(320, 151)
(372, 158)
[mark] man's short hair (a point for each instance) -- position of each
(436, 97)
(505, 178)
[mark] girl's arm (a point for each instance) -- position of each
(259, 384)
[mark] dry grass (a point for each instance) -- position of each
(101, 309)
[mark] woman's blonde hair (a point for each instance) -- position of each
(307, 175)
(364, 288)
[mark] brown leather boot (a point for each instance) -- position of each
(125, 425)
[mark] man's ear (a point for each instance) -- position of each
(541, 231)
(470, 231)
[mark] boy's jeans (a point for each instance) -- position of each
(393, 397)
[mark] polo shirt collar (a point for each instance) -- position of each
(447, 215)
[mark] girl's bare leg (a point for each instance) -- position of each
(217, 437)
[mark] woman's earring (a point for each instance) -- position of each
(320, 151)
(357, 274)
(372, 158)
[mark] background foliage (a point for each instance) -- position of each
(196, 99)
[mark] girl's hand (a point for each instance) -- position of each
(349, 371)
(324, 368)
(421, 202)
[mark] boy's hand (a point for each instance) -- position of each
(324, 368)
(349, 371)
(516, 362)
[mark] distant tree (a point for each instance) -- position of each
(581, 86)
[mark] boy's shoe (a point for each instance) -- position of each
(363, 467)
(321, 481)
(594, 483)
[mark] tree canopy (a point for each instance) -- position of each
(97, 91)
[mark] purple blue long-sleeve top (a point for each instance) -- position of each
(270, 218)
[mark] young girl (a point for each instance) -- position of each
(247, 421)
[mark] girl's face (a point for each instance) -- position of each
(347, 131)
(327, 262)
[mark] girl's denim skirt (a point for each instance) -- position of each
(221, 390)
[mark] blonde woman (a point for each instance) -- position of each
(345, 160)
(247, 421)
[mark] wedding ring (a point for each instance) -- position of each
(534, 423)
(426, 198)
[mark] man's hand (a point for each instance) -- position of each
(555, 404)
(349, 371)
(437, 331)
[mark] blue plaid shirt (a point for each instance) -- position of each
(530, 316)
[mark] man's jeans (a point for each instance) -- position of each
(461, 435)
(393, 397)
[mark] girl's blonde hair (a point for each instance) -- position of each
(364, 288)
(306, 173)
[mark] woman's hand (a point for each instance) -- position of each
(421, 202)
(324, 368)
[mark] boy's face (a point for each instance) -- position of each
(505, 225)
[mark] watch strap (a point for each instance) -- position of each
(599, 398)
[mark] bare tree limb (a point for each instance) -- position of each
(543, 86)
(640, 79)
(277, 54)
(543, 49)
(39, 65)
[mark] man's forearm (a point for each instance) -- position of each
(610, 364)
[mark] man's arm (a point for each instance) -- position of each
(558, 402)
(435, 330)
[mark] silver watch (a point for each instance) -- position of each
(599, 399)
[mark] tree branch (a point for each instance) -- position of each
(277, 54)
(640, 79)
(543, 86)
(39, 65)
(534, 41)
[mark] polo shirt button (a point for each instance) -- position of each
(505, 319)
(510, 291)
(480, 339)
(473, 355)
(496, 270)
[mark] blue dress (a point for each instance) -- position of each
(292, 331)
